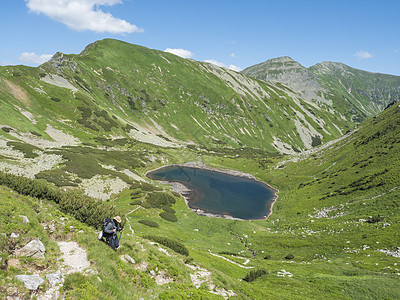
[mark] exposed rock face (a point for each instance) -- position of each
(31, 282)
(34, 248)
(55, 278)
(294, 75)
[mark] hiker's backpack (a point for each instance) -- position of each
(105, 223)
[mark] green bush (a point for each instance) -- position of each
(160, 199)
(136, 202)
(172, 244)
(149, 223)
(375, 219)
(168, 216)
(289, 256)
(168, 209)
(84, 208)
(253, 275)
(27, 149)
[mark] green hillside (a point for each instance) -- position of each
(84, 129)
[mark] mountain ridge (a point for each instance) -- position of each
(334, 84)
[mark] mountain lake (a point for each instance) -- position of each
(215, 193)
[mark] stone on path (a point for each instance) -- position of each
(55, 278)
(34, 248)
(31, 282)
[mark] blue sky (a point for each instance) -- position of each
(237, 34)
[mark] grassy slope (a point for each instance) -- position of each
(329, 259)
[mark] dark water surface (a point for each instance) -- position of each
(220, 193)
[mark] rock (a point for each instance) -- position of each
(130, 259)
(51, 294)
(152, 272)
(14, 235)
(34, 248)
(24, 219)
(55, 278)
(31, 282)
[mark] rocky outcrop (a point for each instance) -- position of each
(55, 278)
(34, 248)
(31, 282)
(290, 72)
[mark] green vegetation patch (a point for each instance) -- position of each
(169, 216)
(84, 208)
(149, 223)
(172, 244)
(27, 149)
(253, 275)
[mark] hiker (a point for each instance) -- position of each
(109, 232)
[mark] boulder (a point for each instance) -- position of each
(14, 235)
(55, 278)
(34, 248)
(24, 219)
(31, 282)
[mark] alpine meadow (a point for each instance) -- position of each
(80, 133)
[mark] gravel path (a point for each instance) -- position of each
(74, 257)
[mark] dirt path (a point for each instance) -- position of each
(74, 257)
(231, 261)
(135, 209)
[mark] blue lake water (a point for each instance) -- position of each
(219, 193)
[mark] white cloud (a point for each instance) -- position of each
(235, 68)
(180, 52)
(222, 65)
(214, 62)
(33, 58)
(82, 15)
(233, 55)
(363, 54)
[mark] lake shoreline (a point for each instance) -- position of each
(182, 189)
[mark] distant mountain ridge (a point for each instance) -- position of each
(357, 94)
(116, 89)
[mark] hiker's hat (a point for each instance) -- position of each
(118, 219)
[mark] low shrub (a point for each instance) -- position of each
(169, 216)
(172, 244)
(160, 199)
(168, 209)
(136, 202)
(27, 149)
(289, 256)
(149, 223)
(189, 260)
(82, 207)
(228, 253)
(375, 219)
(253, 275)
